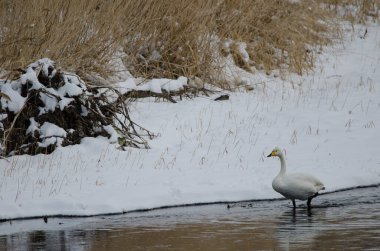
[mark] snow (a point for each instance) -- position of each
(34, 126)
(52, 99)
(73, 87)
(29, 77)
(206, 151)
(51, 130)
(243, 51)
(112, 132)
(153, 85)
(51, 134)
(14, 101)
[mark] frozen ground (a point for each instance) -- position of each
(327, 122)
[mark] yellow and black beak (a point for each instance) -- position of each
(271, 154)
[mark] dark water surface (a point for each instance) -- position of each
(347, 220)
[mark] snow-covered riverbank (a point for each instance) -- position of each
(327, 122)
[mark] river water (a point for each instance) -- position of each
(346, 220)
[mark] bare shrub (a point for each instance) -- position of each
(46, 108)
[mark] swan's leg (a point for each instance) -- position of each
(294, 203)
(309, 202)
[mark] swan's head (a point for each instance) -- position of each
(275, 152)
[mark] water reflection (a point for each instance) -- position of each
(297, 228)
(42, 240)
(346, 219)
(355, 225)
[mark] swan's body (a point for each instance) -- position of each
(294, 186)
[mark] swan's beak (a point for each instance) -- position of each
(271, 154)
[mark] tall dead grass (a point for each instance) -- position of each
(183, 37)
(278, 34)
(81, 35)
(163, 38)
(170, 38)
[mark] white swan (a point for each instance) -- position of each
(294, 186)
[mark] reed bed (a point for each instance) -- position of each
(169, 38)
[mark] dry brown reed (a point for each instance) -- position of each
(170, 38)
(181, 38)
(81, 35)
(164, 38)
(278, 34)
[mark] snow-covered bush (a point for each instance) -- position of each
(47, 107)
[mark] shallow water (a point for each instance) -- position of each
(347, 220)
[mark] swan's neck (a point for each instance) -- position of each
(283, 166)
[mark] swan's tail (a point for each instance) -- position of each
(319, 185)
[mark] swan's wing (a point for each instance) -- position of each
(309, 179)
(299, 186)
(295, 188)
